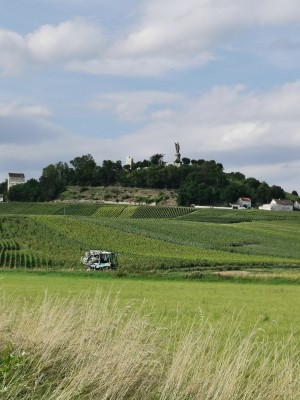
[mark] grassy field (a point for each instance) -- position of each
(86, 336)
(273, 306)
(204, 305)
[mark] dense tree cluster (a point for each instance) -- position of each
(197, 181)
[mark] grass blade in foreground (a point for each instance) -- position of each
(90, 347)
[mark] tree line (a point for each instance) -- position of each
(198, 182)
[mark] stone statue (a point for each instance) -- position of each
(177, 161)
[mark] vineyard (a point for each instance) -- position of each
(228, 216)
(147, 238)
(210, 215)
(94, 210)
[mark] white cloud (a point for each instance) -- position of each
(50, 44)
(282, 174)
(195, 26)
(116, 64)
(163, 38)
(240, 134)
(231, 117)
(276, 11)
(13, 53)
(136, 106)
(165, 114)
(19, 109)
(65, 42)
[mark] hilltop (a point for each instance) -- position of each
(201, 182)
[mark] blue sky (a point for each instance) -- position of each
(131, 77)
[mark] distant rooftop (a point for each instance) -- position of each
(16, 175)
(283, 202)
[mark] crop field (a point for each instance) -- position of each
(98, 210)
(234, 216)
(83, 336)
(93, 210)
(203, 306)
(145, 244)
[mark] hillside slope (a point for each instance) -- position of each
(120, 194)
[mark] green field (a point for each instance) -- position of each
(148, 239)
(83, 336)
(275, 307)
(204, 305)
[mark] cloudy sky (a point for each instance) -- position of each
(131, 77)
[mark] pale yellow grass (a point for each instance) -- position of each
(93, 348)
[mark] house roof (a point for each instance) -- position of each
(16, 175)
(245, 198)
(283, 202)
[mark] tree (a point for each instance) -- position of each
(3, 188)
(109, 172)
(118, 165)
(173, 176)
(200, 194)
(237, 176)
(134, 178)
(156, 177)
(157, 159)
(186, 161)
(52, 182)
(63, 173)
(230, 193)
(84, 170)
(28, 191)
(252, 182)
(263, 194)
(276, 192)
(208, 172)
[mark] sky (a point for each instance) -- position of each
(125, 78)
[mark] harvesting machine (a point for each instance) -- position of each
(100, 260)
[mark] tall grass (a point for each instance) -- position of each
(91, 347)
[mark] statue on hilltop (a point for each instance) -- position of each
(177, 155)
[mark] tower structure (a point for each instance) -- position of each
(129, 161)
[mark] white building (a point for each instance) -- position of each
(297, 205)
(129, 161)
(15, 179)
(1, 198)
(278, 205)
(242, 202)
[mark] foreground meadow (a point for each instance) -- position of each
(273, 305)
(76, 336)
